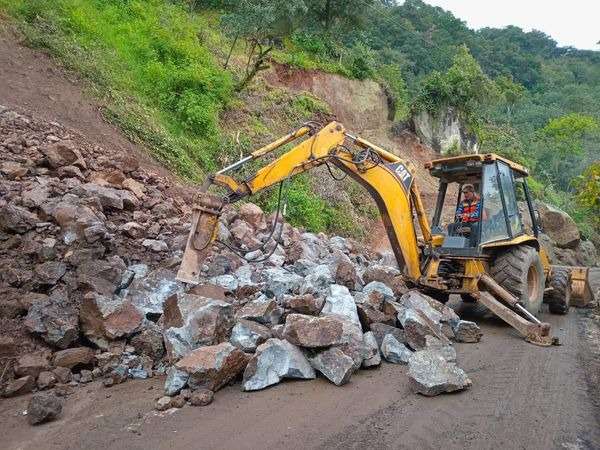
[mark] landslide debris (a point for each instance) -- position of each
(90, 243)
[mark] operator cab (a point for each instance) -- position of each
(477, 202)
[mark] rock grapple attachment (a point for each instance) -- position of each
(205, 219)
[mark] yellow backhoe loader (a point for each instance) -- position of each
(495, 260)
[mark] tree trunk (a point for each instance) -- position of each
(231, 50)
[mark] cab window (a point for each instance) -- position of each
(494, 223)
(508, 190)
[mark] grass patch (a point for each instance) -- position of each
(146, 61)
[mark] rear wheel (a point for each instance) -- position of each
(559, 298)
(519, 270)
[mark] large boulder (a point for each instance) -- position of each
(148, 293)
(191, 321)
(274, 360)
(334, 364)
(430, 374)
(253, 215)
(380, 330)
(339, 301)
(105, 319)
(417, 326)
(19, 386)
(314, 332)
(557, 224)
(176, 380)
(214, 366)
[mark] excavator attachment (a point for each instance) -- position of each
(530, 328)
(581, 291)
(205, 220)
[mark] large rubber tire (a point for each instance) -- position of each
(519, 270)
(559, 298)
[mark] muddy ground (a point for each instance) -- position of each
(523, 397)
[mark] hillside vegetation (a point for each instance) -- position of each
(183, 78)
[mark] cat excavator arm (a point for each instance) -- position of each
(387, 178)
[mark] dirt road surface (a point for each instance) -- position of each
(523, 397)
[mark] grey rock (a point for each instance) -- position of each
(417, 326)
(394, 351)
(430, 374)
(274, 360)
(155, 245)
(373, 358)
(148, 293)
(334, 364)
(191, 321)
(85, 376)
(446, 351)
(43, 407)
(46, 380)
(378, 286)
(317, 280)
(55, 320)
(466, 331)
(176, 381)
(248, 335)
(228, 282)
(279, 282)
(339, 301)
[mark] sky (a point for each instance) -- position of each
(573, 23)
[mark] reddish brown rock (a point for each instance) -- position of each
(72, 357)
(202, 397)
(369, 315)
(16, 219)
(46, 380)
(214, 366)
(304, 304)
(313, 332)
(63, 153)
(253, 215)
(31, 364)
(104, 318)
(19, 386)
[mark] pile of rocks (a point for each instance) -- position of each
(90, 244)
(89, 241)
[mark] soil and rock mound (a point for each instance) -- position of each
(90, 245)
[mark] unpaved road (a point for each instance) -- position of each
(523, 397)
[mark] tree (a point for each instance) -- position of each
(338, 12)
(510, 91)
(562, 146)
(260, 23)
(464, 87)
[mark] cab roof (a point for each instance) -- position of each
(454, 163)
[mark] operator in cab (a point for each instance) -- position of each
(469, 209)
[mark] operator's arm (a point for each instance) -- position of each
(459, 213)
